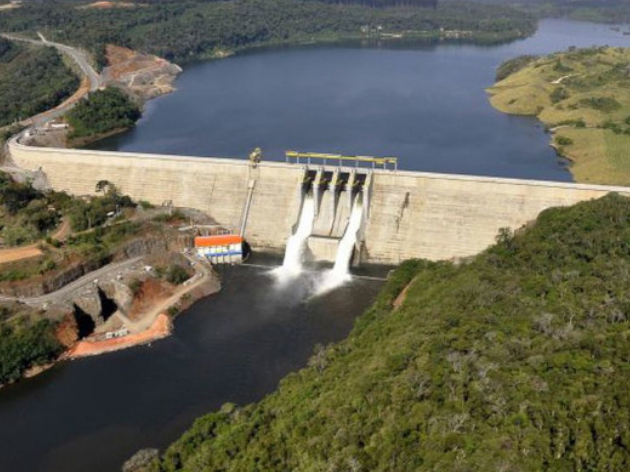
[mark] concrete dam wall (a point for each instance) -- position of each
(407, 214)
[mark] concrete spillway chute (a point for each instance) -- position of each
(367, 194)
(349, 186)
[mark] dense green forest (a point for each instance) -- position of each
(602, 11)
(517, 360)
(103, 112)
(385, 3)
(32, 80)
(24, 343)
(186, 30)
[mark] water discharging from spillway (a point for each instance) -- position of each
(292, 264)
(340, 273)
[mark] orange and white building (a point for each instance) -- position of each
(220, 249)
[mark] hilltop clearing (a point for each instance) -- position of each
(583, 96)
(144, 75)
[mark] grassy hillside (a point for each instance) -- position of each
(516, 361)
(584, 96)
(32, 80)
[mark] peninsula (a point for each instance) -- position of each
(582, 96)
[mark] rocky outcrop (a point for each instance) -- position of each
(120, 293)
(142, 247)
(90, 303)
(40, 285)
(54, 280)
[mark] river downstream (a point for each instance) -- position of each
(424, 104)
(92, 414)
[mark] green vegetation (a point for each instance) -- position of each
(88, 214)
(177, 274)
(188, 30)
(26, 214)
(609, 11)
(23, 344)
(385, 3)
(514, 361)
(583, 95)
(32, 80)
(511, 66)
(103, 112)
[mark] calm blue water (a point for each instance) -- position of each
(426, 105)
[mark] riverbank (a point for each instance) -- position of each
(157, 319)
(154, 323)
(582, 97)
(162, 327)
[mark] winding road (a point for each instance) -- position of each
(80, 58)
(73, 287)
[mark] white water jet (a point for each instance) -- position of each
(340, 273)
(292, 264)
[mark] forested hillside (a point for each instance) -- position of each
(604, 11)
(386, 3)
(186, 30)
(103, 112)
(515, 361)
(32, 80)
(25, 342)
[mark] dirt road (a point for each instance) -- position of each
(32, 250)
(68, 291)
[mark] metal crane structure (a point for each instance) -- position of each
(323, 158)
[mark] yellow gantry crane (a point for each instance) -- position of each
(382, 162)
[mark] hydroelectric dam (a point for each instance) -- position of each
(403, 214)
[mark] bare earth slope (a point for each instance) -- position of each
(143, 74)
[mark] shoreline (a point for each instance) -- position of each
(161, 326)
(569, 160)
(419, 37)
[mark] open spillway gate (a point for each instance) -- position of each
(335, 191)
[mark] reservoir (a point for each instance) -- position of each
(425, 104)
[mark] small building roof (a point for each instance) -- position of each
(217, 240)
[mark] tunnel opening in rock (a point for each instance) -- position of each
(109, 306)
(85, 323)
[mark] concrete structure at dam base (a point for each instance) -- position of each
(406, 214)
